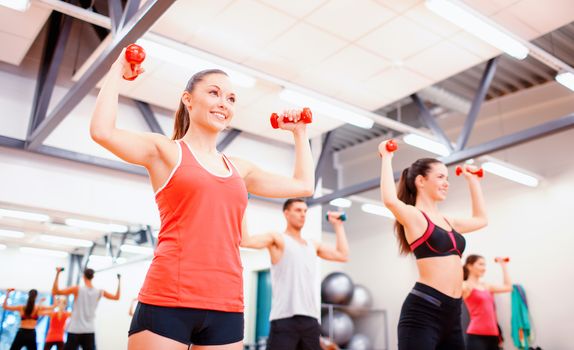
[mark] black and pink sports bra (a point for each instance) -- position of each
(437, 241)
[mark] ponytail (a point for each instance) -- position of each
(29, 309)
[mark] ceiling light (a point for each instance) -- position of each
(128, 248)
(377, 210)
(96, 226)
(74, 242)
(45, 252)
(566, 78)
(179, 57)
(341, 202)
(426, 144)
(474, 23)
(328, 109)
(24, 215)
(18, 5)
(510, 174)
(11, 233)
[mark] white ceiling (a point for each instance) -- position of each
(18, 30)
(386, 50)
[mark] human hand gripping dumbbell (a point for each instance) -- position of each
(500, 259)
(336, 215)
(305, 116)
(134, 55)
(387, 146)
(474, 171)
(59, 269)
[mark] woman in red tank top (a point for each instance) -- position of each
(482, 332)
(193, 291)
(56, 329)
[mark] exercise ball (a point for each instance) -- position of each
(337, 288)
(342, 327)
(361, 301)
(360, 342)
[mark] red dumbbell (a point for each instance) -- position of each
(306, 117)
(391, 145)
(479, 172)
(135, 55)
(499, 259)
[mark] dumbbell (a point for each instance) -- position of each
(135, 55)
(499, 259)
(391, 145)
(306, 117)
(479, 172)
(342, 217)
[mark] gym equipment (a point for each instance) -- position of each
(135, 55)
(391, 145)
(361, 301)
(479, 172)
(499, 259)
(360, 342)
(342, 217)
(340, 328)
(337, 288)
(306, 117)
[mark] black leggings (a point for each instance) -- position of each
(481, 342)
(430, 320)
(58, 344)
(24, 338)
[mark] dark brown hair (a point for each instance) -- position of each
(32, 294)
(290, 201)
(89, 274)
(181, 123)
(470, 260)
(407, 192)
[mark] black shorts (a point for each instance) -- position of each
(189, 326)
(294, 333)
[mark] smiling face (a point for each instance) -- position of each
(435, 183)
(478, 268)
(211, 103)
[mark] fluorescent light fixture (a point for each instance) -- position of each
(328, 109)
(341, 202)
(377, 210)
(45, 252)
(2, 246)
(74, 242)
(426, 144)
(25, 215)
(510, 174)
(136, 249)
(179, 57)
(11, 233)
(566, 78)
(18, 5)
(472, 22)
(96, 226)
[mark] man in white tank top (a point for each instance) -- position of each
(295, 304)
(81, 328)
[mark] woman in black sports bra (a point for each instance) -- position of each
(430, 316)
(29, 313)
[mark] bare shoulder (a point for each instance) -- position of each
(243, 166)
